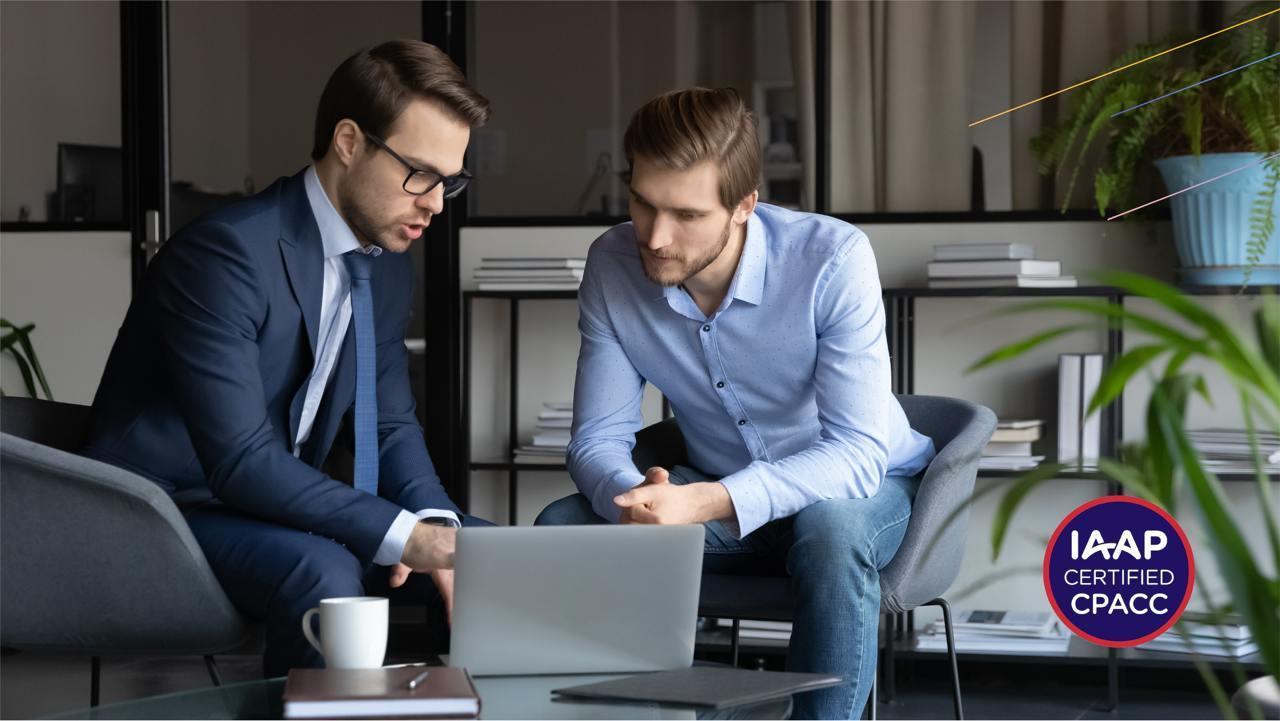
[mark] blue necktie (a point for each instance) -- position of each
(359, 265)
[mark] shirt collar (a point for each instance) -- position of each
(748, 279)
(335, 235)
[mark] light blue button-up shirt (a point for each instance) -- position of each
(335, 318)
(784, 391)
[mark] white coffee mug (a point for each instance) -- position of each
(353, 631)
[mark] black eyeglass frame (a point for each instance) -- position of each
(461, 180)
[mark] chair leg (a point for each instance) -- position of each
(890, 665)
(734, 643)
(95, 680)
(874, 701)
(212, 666)
(951, 652)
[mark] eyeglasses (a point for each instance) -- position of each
(420, 181)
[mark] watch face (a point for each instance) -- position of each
(438, 521)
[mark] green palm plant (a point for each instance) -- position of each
(17, 342)
(1167, 464)
(1236, 113)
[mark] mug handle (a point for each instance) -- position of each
(306, 630)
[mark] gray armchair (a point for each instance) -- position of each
(96, 559)
(914, 578)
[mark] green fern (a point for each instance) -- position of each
(1237, 113)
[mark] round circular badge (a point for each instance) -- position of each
(1118, 571)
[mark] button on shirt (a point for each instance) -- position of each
(335, 319)
(784, 391)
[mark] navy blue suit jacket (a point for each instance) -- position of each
(204, 387)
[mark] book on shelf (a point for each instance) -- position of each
(1019, 423)
(555, 413)
(558, 406)
(533, 263)
(1079, 432)
(982, 251)
(380, 693)
(1006, 623)
(1015, 281)
(1198, 623)
(1017, 431)
(758, 630)
(555, 422)
(1007, 448)
(567, 274)
(994, 631)
(1172, 642)
(527, 285)
(552, 439)
(995, 268)
(1009, 463)
(1228, 444)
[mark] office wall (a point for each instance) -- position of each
(75, 287)
(294, 47)
(60, 74)
(950, 335)
(209, 65)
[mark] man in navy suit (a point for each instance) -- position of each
(265, 330)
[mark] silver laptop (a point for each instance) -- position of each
(575, 599)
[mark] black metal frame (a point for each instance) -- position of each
(444, 24)
(144, 86)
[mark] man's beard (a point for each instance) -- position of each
(364, 226)
(692, 268)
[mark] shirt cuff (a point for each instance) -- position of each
(440, 513)
(614, 487)
(750, 501)
(392, 548)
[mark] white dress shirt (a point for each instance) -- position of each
(335, 318)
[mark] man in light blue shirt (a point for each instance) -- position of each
(764, 328)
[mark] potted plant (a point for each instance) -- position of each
(17, 342)
(1224, 230)
(1167, 463)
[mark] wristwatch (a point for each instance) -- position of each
(444, 521)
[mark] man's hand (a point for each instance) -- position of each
(430, 548)
(652, 477)
(657, 501)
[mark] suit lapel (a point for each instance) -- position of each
(303, 255)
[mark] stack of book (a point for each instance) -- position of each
(1079, 432)
(1198, 633)
(749, 630)
(1226, 450)
(1010, 446)
(549, 443)
(994, 265)
(530, 273)
(998, 632)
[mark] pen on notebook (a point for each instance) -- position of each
(417, 680)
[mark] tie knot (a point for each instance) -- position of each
(359, 264)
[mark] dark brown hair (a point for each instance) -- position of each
(682, 128)
(373, 87)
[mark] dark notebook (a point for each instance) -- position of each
(704, 686)
(380, 693)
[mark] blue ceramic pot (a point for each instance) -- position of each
(1211, 223)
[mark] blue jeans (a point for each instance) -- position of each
(834, 551)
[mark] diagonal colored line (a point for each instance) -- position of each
(1197, 185)
(1112, 72)
(1202, 82)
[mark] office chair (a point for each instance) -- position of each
(97, 560)
(913, 578)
